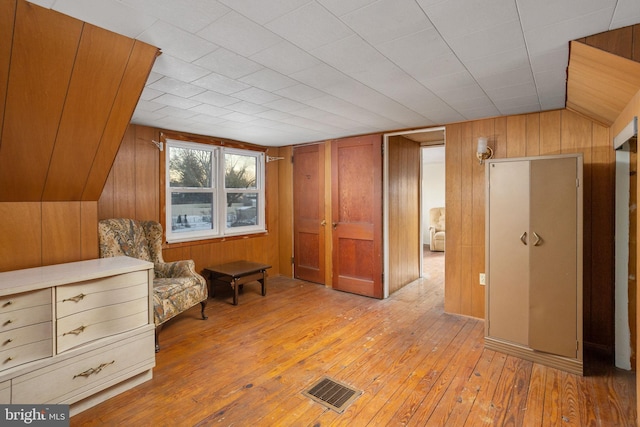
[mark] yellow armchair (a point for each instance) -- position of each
(436, 229)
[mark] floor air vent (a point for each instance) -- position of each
(332, 394)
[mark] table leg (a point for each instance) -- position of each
(235, 291)
(263, 283)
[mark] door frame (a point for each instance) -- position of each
(385, 202)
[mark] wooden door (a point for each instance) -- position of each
(553, 291)
(308, 213)
(508, 254)
(356, 205)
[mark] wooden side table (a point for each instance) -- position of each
(236, 274)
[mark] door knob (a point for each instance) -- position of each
(323, 222)
(335, 225)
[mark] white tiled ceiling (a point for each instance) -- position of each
(280, 72)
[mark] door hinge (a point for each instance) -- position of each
(292, 158)
(577, 182)
(293, 260)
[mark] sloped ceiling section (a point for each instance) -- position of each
(600, 84)
(69, 91)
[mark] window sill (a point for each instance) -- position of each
(167, 245)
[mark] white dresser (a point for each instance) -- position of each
(75, 333)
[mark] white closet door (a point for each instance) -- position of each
(553, 291)
(508, 233)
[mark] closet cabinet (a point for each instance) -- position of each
(534, 259)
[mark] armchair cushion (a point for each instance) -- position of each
(436, 229)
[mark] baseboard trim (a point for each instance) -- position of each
(573, 366)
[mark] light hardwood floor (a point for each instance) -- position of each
(248, 364)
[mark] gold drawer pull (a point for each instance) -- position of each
(77, 298)
(8, 359)
(8, 341)
(92, 371)
(8, 322)
(76, 331)
(7, 303)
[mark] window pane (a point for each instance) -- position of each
(190, 168)
(240, 171)
(242, 209)
(191, 212)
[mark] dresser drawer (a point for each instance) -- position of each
(25, 300)
(83, 296)
(25, 317)
(101, 322)
(71, 379)
(26, 353)
(26, 335)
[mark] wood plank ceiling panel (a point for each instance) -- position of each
(97, 74)
(135, 75)
(42, 55)
(600, 84)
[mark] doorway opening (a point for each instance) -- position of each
(433, 210)
(418, 214)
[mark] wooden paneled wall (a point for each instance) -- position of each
(553, 132)
(67, 92)
(133, 190)
(46, 233)
(405, 253)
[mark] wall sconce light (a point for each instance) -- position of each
(484, 151)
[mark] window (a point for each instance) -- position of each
(213, 191)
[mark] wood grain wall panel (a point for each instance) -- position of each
(576, 137)
(618, 41)
(480, 128)
(100, 63)
(405, 253)
(467, 163)
(106, 202)
(602, 229)
(7, 20)
(500, 143)
(550, 132)
(124, 184)
(284, 213)
(35, 95)
(516, 136)
(89, 230)
(21, 231)
(533, 135)
(61, 232)
(453, 217)
(147, 172)
(135, 75)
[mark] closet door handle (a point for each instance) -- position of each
(523, 238)
(538, 239)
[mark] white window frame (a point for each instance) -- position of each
(219, 194)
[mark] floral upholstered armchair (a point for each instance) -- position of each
(176, 286)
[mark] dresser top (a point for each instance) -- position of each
(30, 279)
